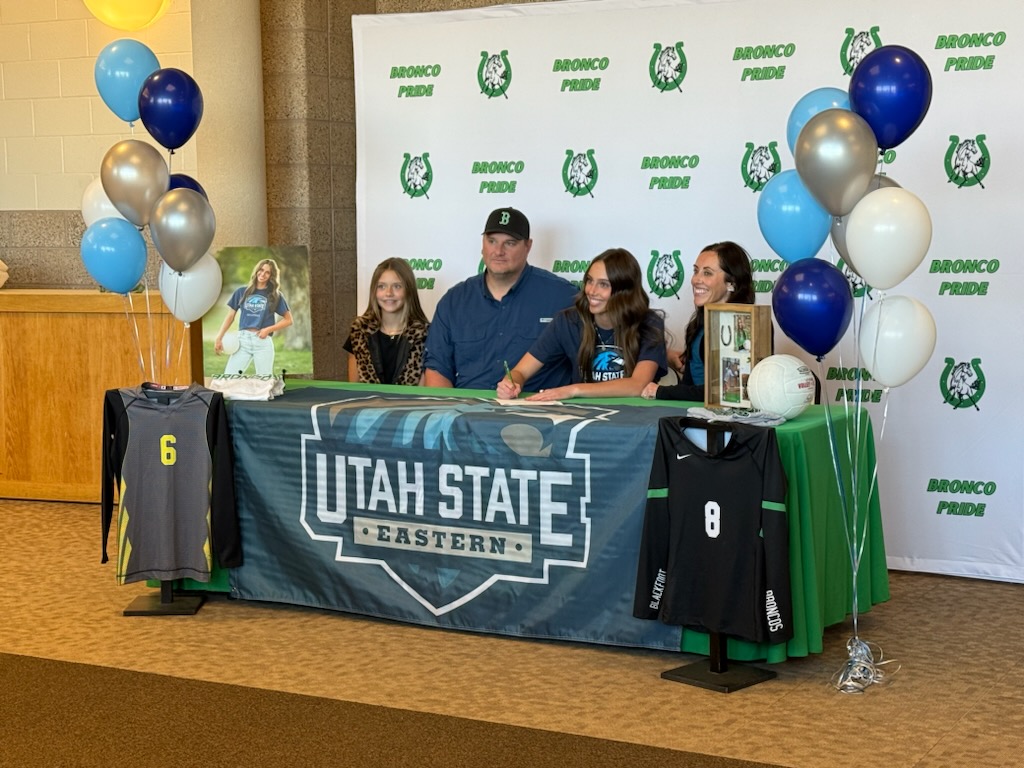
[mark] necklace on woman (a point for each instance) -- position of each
(393, 333)
(605, 336)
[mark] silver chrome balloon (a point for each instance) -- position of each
(134, 176)
(836, 157)
(182, 226)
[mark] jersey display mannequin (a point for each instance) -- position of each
(714, 555)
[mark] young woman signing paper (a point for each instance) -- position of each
(614, 340)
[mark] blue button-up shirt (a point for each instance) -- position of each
(472, 335)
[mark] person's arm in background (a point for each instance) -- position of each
(280, 325)
(512, 384)
(675, 359)
(630, 386)
(678, 391)
(684, 389)
(432, 378)
(218, 343)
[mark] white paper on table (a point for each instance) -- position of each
(523, 401)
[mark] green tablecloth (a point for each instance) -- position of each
(819, 550)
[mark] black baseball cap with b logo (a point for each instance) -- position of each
(510, 222)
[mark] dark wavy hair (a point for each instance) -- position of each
(411, 309)
(628, 308)
(734, 261)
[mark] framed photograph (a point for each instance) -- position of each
(736, 338)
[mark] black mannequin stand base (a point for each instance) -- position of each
(166, 603)
(714, 672)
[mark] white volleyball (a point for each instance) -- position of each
(782, 385)
(230, 343)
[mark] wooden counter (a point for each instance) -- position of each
(60, 350)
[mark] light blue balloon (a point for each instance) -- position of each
(121, 69)
(793, 223)
(811, 104)
(114, 254)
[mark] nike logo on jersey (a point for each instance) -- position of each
(681, 456)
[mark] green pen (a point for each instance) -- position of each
(508, 373)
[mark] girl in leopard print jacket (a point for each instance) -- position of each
(386, 342)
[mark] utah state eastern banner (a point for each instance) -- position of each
(452, 512)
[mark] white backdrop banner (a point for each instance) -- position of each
(654, 126)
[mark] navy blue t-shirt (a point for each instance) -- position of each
(254, 314)
(561, 341)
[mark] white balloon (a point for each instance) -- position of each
(839, 223)
(190, 294)
(897, 338)
(887, 236)
(96, 205)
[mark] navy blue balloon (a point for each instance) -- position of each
(184, 181)
(813, 305)
(171, 106)
(891, 89)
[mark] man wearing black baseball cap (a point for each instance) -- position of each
(493, 318)
(508, 221)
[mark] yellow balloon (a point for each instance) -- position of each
(127, 14)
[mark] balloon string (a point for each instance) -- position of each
(174, 309)
(181, 345)
(844, 506)
(861, 668)
(853, 440)
(173, 316)
(858, 437)
(129, 316)
(152, 332)
(168, 338)
(834, 451)
(833, 252)
(873, 485)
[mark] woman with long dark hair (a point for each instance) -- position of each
(613, 338)
(721, 273)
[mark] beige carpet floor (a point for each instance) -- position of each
(956, 699)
